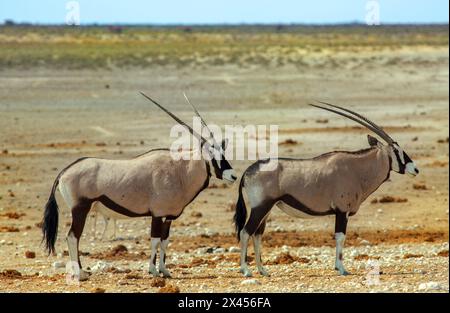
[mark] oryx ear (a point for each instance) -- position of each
(224, 144)
(373, 141)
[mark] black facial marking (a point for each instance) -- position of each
(224, 165)
(401, 166)
(216, 167)
(407, 158)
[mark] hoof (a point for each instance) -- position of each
(165, 273)
(343, 272)
(83, 275)
(246, 272)
(154, 272)
(263, 272)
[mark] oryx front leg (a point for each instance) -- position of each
(340, 230)
(152, 265)
(155, 234)
(164, 244)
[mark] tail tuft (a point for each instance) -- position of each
(50, 221)
(240, 216)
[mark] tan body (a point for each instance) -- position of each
(334, 181)
(144, 185)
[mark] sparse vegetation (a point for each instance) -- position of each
(105, 47)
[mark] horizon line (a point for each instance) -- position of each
(9, 22)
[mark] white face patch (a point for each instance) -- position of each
(229, 175)
(411, 169)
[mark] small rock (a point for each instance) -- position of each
(380, 210)
(169, 289)
(59, 264)
(196, 214)
(30, 254)
(219, 250)
(250, 282)
(364, 242)
(418, 186)
(158, 282)
(98, 290)
(432, 285)
(101, 266)
(234, 249)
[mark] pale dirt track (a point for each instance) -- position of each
(50, 118)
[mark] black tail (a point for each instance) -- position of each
(240, 216)
(50, 221)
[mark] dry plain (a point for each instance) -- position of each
(52, 115)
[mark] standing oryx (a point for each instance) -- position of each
(152, 184)
(333, 183)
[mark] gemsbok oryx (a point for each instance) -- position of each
(152, 184)
(332, 183)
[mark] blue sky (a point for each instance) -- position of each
(224, 11)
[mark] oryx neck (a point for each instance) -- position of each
(374, 171)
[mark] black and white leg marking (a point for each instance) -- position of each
(79, 214)
(339, 234)
(155, 234)
(165, 230)
(254, 226)
(159, 238)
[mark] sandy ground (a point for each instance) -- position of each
(50, 118)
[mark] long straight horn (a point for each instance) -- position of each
(372, 128)
(202, 140)
(211, 135)
(365, 119)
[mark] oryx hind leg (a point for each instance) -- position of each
(257, 218)
(79, 214)
(257, 238)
